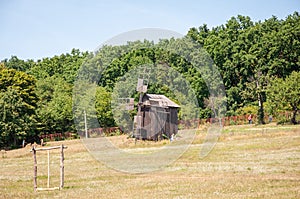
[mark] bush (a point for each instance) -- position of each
(232, 122)
(250, 109)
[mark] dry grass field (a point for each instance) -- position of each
(247, 162)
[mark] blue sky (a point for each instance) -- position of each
(33, 29)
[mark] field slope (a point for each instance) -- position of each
(247, 162)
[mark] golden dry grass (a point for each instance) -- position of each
(247, 162)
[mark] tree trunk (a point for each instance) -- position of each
(15, 141)
(293, 120)
(260, 114)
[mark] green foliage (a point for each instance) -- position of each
(283, 94)
(246, 110)
(55, 105)
(249, 53)
(18, 102)
(103, 108)
(18, 64)
(64, 66)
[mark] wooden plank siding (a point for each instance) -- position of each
(159, 117)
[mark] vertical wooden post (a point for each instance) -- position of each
(34, 169)
(62, 166)
(34, 149)
(48, 182)
(85, 125)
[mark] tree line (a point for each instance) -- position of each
(259, 63)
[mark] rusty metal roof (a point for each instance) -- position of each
(161, 100)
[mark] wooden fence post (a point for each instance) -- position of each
(62, 166)
(48, 182)
(34, 169)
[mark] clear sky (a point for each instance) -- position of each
(33, 29)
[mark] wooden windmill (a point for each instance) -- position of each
(157, 115)
(141, 88)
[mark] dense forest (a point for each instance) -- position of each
(259, 63)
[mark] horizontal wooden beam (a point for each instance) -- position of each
(48, 148)
(48, 189)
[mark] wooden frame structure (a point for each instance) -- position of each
(34, 150)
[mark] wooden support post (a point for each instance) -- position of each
(3, 153)
(62, 167)
(85, 125)
(34, 169)
(48, 182)
(34, 150)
